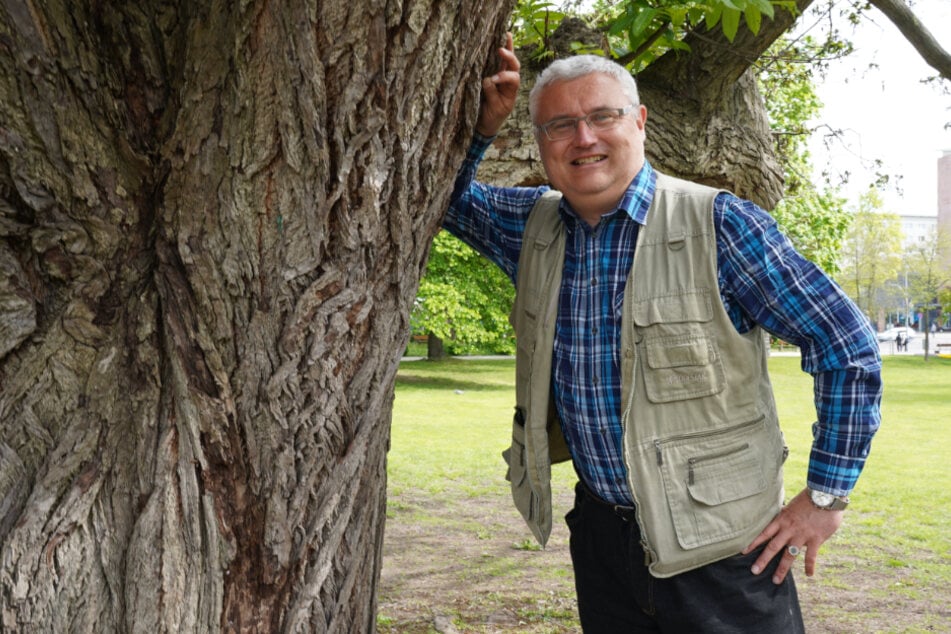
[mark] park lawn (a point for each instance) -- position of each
(452, 420)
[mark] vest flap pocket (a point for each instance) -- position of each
(718, 484)
(684, 306)
(730, 475)
(674, 352)
(682, 367)
(522, 494)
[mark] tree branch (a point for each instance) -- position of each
(917, 34)
(656, 35)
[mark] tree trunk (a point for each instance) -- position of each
(435, 350)
(706, 118)
(213, 219)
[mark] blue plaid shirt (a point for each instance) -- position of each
(762, 279)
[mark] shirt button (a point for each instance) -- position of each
(594, 330)
(595, 380)
(594, 281)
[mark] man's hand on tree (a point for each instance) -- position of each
(499, 91)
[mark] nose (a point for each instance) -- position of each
(584, 133)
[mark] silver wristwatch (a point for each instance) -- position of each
(827, 501)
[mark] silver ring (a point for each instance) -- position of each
(794, 550)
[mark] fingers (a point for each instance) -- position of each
(800, 525)
(786, 563)
(507, 78)
(774, 546)
(812, 555)
(509, 60)
(786, 545)
(765, 535)
(499, 91)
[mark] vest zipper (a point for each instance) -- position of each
(659, 443)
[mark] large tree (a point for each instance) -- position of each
(213, 221)
(213, 218)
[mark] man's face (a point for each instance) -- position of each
(592, 168)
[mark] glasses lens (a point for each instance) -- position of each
(603, 119)
(561, 129)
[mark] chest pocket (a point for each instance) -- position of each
(681, 357)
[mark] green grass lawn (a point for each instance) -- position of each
(452, 420)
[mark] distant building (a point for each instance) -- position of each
(944, 192)
(917, 228)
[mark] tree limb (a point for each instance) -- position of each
(917, 34)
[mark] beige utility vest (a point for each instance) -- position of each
(702, 443)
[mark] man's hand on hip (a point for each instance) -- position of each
(800, 528)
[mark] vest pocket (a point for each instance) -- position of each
(681, 358)
(682, 367)
(715, 482)
(525, 499)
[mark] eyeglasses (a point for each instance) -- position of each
(565, 127)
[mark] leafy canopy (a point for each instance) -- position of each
(640, 31)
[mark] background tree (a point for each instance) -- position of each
(871, 254)
(464, 300)
(926, 263)
(944, 300)
(814, 219)
(213, 219)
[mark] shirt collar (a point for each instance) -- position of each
(635, 202)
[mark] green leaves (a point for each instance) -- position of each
(533, 23)
(464, 300)
(729, 12)
(640, 31)
(871, 253)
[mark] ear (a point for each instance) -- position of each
(640, 116)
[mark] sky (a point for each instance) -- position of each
(886, 112)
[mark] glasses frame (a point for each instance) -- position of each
(545, 127)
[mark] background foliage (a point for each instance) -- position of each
(464, 300)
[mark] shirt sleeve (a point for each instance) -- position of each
(765, 281)
(489, 219)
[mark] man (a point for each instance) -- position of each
(638, 315)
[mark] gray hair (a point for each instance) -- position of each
(579, 66)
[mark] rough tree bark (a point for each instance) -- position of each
(213, 218)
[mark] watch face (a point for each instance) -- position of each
(822, 499)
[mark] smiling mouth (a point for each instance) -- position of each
(587, 160)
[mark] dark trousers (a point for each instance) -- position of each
(617, 595)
